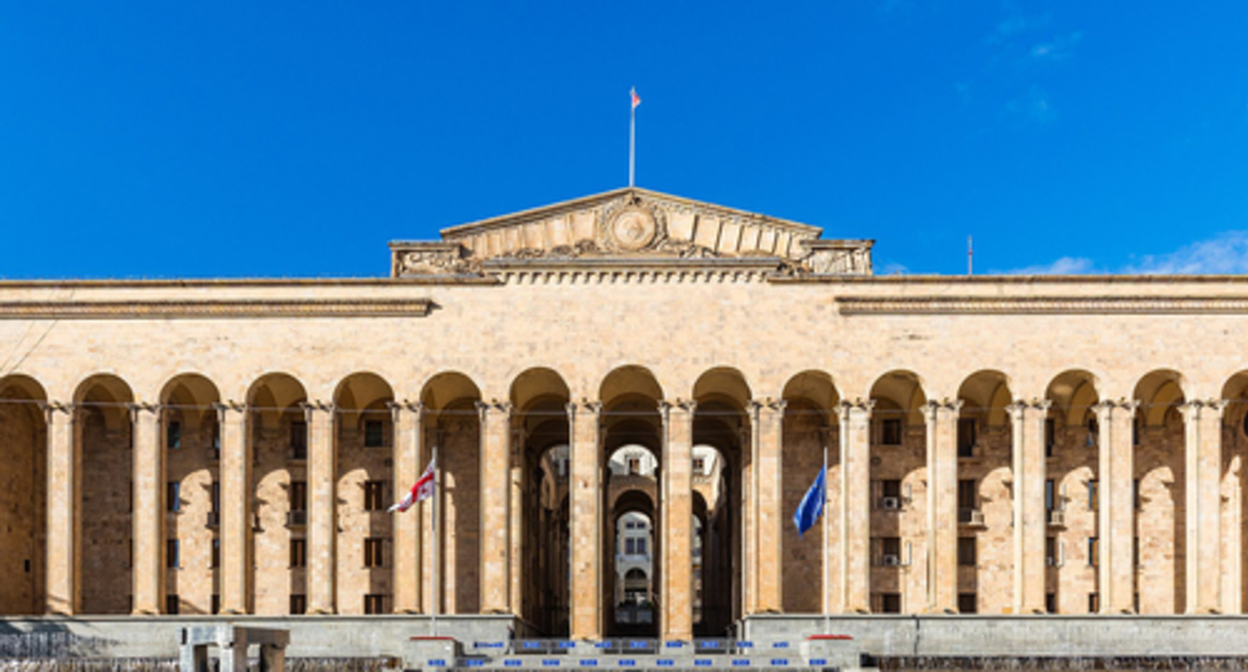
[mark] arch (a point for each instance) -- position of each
(535, 385)
(724, 384)
(1159, 392)
(900, 391)
(629, 380)
(986, 393)
(812, 390)
(107, 395)
(447, 389)
(1074, 392)
(21, 386)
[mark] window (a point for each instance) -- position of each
(171, 554)
(1135, 494)
(634, 466)
(641, 547)
(887, 551)
(1094, 548)
(299, 604)
(968, 603)
(215, 560)
(372, 551)
(216, 496)
(1135, 431)
(886, 603)
(699, 465)
(1094, 431)
(173, 437)
(1050, 496)
(298, 553)
(1246, 423)
(1050, 436)
(374, 604)
(967, 429)
(967, 499)
(298, 495)
(374, 495)
(1135, 552)
(630, 546)
(1092, 494)
(966, 551)
(216, 603)
(299, 440)
(1050, 603)
(890, 488)
(890, 432)
(374, 434)
(173, 498)
(216, 437)
(1050, 551)
(1094, 603)
(171, 603)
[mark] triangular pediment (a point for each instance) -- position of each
(615, 226)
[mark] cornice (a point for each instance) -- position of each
(239, 283)
(891, 280)
(633, 269)
(213, 309)
(1043, 305)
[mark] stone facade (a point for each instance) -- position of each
(994, 444)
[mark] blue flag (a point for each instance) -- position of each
(812, 505)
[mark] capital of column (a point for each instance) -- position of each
(583, 406)
(757, 406)
(311, 408)
(493, 407)
(137, 409)
(856, 410)
(936, 407)
(1194, 409)
(51, 408)
(398, 408)
(677, 405)
(1105, 410)
(1019, 407)
(224, 409)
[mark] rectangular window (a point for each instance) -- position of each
(298, 604)
(298, 495)
(215, 560)
(173, 435)
(1094, 603)
(298, 553)
(966, 551)
(216, 437)
(890, 603)
(374, 495)
(299, 440)
(699, 465)
(968, 603)
(1050, 551)
(216, 496)
(1094, 551)
(171, 554)
(891, 488)
(634, 466)
(630, 546)
(967, 498)
(373, 551)
(890, 432)
(967, 428)
(1050, 603)
(1135, 552)
(1135, 494)
(171, 604)
(1050, 436)
(641, 547)
(1050, 495)
(1094, 431)
(173, 496)
(216, 603)
(1092, 494)
(374, 434)
(374, 604)
(1135, 431)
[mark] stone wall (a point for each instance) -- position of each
(105, 544)
(22, 464)
(193, 579)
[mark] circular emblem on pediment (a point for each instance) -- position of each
(633, 228)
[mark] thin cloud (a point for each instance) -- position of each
(1060, 49)
(1014, 25)
(1224, 254)
(1036, 106)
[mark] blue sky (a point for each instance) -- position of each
(265, 139)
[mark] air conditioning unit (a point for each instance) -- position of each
(296, 518)
(890, 560)
(214, 518)
(1050, 560)
(1057, 518)
(971, 517)
(890, 503)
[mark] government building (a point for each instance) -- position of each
(628, 395)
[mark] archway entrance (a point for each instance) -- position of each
(632, 490)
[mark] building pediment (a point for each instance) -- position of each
(628, 224)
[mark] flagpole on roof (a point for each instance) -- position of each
(632, 136)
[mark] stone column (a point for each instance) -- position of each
(942, 505)
(1232, 521)
(236, 494)
(767, 418)
(1030, 521)
(1202, 478)
(855, 447)
(583, 486)
(322, 507)
(149, 512)
(408, 550)
(677, 597)
(1116, 515)
(516, 523)
(495, 500)
(63, 523)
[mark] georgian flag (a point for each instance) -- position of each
(636, 98)
(422, 490)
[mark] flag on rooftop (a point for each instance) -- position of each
(422, 490)
(811, 506)
(636, 98)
